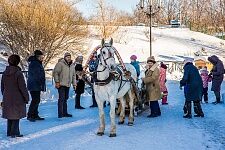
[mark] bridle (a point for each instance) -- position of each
(110, 55)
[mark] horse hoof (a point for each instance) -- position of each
(112, 135)
(100, 133)
(130, 123)
(121, 122)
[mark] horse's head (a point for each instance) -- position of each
(106, 56)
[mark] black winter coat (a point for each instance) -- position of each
(192, 82)
(217, 73)
(36, 75)
(80, 83)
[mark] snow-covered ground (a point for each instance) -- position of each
(168, 132)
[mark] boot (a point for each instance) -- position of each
(31, 119)
(188, 115)
(164, 100)
(198, 110)
(39, 118)
(67, 115)
(92, 106)
(217, 94)
(77, 103)
(15, 136)
(217, 101)
(185, 108)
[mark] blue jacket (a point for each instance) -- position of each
(93, 64)
(192, 82)
(136, 66)
(36, 75)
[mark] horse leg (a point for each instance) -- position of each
(122, 110)
(102, 118)
(112, 117)
(131, 104)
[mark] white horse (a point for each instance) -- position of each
(109, 89)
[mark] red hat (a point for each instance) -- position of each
(133, 57)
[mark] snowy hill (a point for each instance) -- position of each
(167, 42)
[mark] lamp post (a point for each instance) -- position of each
(149, 4)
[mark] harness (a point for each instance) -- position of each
(104, 82)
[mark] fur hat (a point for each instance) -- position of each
(188, 60)
(14, 60)
(38, 53)
(151, 59)
(67, 54)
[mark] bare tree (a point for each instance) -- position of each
(105, 19)
(54, 26)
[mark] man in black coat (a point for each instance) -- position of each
(193, 88)
(35, 84)
(217, 76)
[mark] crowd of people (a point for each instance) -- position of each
(67, 73)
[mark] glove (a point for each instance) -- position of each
(181, 88)
(75, 86)
(57, 85)
(210, 75)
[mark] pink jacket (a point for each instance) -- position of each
(162, 80)
(205, 77)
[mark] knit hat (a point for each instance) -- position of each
(133, 57)
(14, 60)
(151, 59)
(38, 53)
(67, 54)
(188, 60)
(79, 59)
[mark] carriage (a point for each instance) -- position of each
(138, 89)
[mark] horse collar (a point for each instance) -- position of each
(104, 82)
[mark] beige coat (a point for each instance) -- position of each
(151, 81)
(64, 74)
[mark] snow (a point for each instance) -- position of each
(168, 132)
(167, 42)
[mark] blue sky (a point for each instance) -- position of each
(87, 7)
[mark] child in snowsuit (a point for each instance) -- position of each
(135, 63)
(205, 79)
(162, 82)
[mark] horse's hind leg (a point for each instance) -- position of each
(122, 110)
(131, 104)
(102, 118)
(112, 117)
